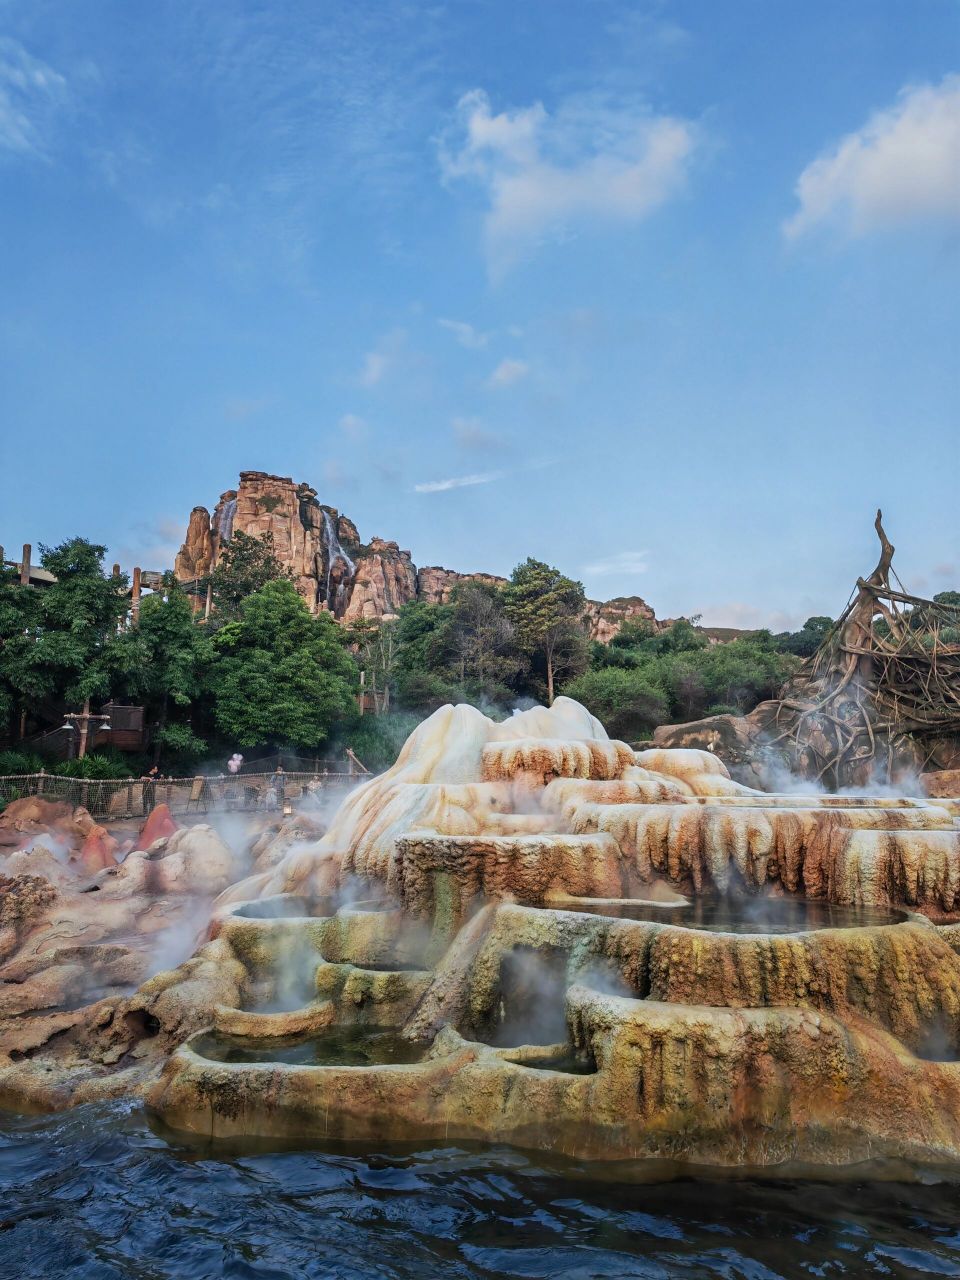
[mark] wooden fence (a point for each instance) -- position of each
(116, 798)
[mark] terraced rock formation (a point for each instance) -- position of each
(525, 932)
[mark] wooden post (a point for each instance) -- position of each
(135, 596)
(25, 565)
(84, 729)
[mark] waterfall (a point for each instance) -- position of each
(335, 552)
(224, 520)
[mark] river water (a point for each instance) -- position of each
(96, 1193)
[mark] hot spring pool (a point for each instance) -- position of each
(338, 1047)
(739, 915)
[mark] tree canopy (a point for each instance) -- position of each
(280, 674)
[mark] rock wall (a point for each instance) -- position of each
(330, 566)
(605, 618)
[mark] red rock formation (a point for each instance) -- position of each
(385, 579)
(435, 585)
(605, 618)
(158, 825)
(331, 569)
(98, 850)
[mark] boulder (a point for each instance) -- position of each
(158, 825)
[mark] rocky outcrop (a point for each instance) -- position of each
(331, 568)
(195, 558)
(435, 585)
(605, 618)
(385, 578)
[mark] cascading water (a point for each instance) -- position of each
(335, 552)
(224, 520)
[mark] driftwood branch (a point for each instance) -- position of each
(884, 684)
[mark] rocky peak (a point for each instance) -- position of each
(331, 568)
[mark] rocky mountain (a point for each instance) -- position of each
(330, 566)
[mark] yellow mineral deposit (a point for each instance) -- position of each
(524, 932)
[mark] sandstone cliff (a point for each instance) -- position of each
(605, 618)
(330, 566)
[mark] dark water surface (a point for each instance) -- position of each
(338, 1047)
(95, 1193)
(744, 914)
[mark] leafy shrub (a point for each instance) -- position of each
(106, 764)
(21, 762)
(627, 701)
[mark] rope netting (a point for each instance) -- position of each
(115, 798)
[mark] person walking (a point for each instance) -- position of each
(149, 781)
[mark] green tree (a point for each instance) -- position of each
(482, 642)
(628, 702)
(808, 639)
(376, 644)
(58, 641)
(161, 662)
(244, 565)
(281, 675)
(545, 608)
(424, 654)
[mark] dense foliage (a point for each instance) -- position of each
(646, 677)
(279, 674)
(264, 672)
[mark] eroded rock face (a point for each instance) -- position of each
(331, 569)
(605, 618)
(385, 579)
(435, 585)
(567, 944)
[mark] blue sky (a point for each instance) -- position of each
(667, 294)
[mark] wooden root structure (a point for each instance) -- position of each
(881, 695)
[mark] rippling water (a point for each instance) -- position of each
(95, 1193)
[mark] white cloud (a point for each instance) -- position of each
(30, 94)
(508, 372)
(480, 477)
(624, 562)
(471, 434)
(335, 476)
(389, 352)
(458, 482)
(353, 426)
(466, 334)
(590, 162)
(902, 166)
(374, 367)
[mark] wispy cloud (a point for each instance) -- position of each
(237, 408)
(384, 357)
(592, 161)
(470, 433)
(902, 166)
(508, 372)
(352, 426)
(152, 544)
(458, 482)
(621, 562)
(374, 367)
(31, 93)
(466, 334)
(480, 477)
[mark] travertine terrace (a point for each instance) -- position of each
(563, 944)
